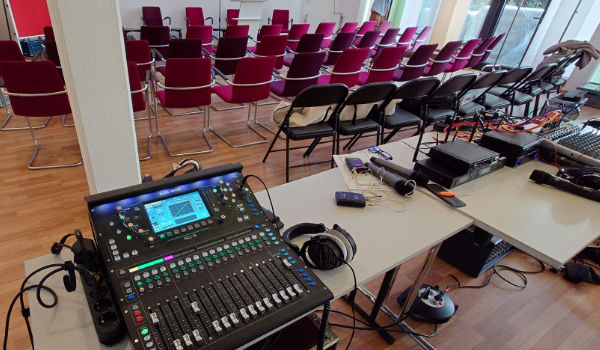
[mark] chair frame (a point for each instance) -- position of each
(144, 91)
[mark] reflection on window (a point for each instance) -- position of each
(428, 13)
(475, 18)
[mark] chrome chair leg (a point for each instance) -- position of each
(228, 108)
(204, 133)
(150, 136)
(63, 121)
(256, 104)
(9, 116)
(249, 124)
(37, 149)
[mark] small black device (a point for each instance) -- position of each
(545, 178)
(326, 249)
(473, 250)
(463, 156)
(451, 178)
(420, 178)
(516, 147)
(356, 164)
(350, 199)
(402, 185)
(441, 193)
(432, 305)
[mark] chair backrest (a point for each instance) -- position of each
(272, 45)
(461, 60)
(349, 27)
(187, 72)
(479, 51)
(158, 38)
(152, 16)
(204, 33)
(281, 17)
(490, 48)
(268, 29)
(370, 93)
(195, 16)
(36, 77)
(407, 35)
(137, 98)
(416, 88)
(349, 66)
(443, 58)
(185, 48)
(384, 26)
(138, 51)
(309, 43)
(388, 38)
(369, 39)
(514, 76)
(415, 66)
(231, 14)
(304, 65)
(384, 64)
(257, 72)
(321, 95)
(10, 51)
(421, 38)
(341, 42)
(298, 30)
(326, 28)
(52, 52)
(229, 52)
(485, 82)
(237, 30)
(455, 85)
(535, 76)
(49, 33)
(367, 26)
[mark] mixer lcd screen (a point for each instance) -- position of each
(176, 211)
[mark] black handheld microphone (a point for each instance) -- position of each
(402, 185)
(542, 177)
(420, 178)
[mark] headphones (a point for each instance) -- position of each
(326, 249)
(586, 177)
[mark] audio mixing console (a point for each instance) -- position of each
(193, 262)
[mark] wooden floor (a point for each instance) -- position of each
(38, 207)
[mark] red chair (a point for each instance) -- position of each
(268, 29)
(183, 48)
(151, 16)
(36, 90)
(49, 34)
(438, 64)
(236, 30)
(341, 42)
(139, 52)
(307, 43)
(383, 65)
(158, 38)
(415, 66)
(204, 33)
(251, 84)
(460, 61)
(491, 48)
(271, 45)
(387, 40)
(349, 27)
(383, 28)
(229, 52)
(479, 52)
(296, 32)
(367, 26)
(281, 17)
(347, 68)
(303, 72)
(10, 51)
(407, 35)
(232, 16)
(139, 96)
(194, 16)
(421, 38)
(368, 40)
(187, 84)
(326, 28)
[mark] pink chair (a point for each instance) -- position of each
(438, 64)
(367, 26)
(421, 38)
(407, 35)
(347, 68)
(460, 61)
(10, 51)
(416, 64)
(158, 37)
(188, 83)
(36, 90)
(303, 72)
(151, 16)
(229, 52)
(194, 16)
(383, 65)
(204, 33)
(308, 43)
(341, 42)
(369, 40)
(268, 29)
(139, 96)
(281, 17)
(236, 31)
(387, 40)
(348, 27)
(232, 16)
(383, 28)
(326, 28)
(271, 45)
(491, 47)
(295, 33)
(251, 84)
(479, 52)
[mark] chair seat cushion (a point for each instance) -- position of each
(534, 90)
(311, 131)
(277, 87)
(440, 113)
(324, 79)
(400, 119)
(497, 91)
(361, 125)
(225, 92)
(162, 70)
(160, 94)
(522, 98)
(252, 49)
(362, 78)
(287, 61)
(495, 102)
(470, 108)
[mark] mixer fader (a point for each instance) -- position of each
(194, 262)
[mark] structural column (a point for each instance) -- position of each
(449, 22)
(91, 49)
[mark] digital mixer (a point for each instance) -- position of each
(193, 262)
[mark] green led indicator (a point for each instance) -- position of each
(128, 237)
(144, 331)
(151, 263)
(214, 190)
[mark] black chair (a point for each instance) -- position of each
(480, 87)
(314, 96)
(553, 79)
(509, 81)
(417, 89)
(376, 94)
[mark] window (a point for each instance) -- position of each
(475, 19)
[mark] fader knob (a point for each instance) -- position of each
(222, 218)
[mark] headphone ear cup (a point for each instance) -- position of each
(324, 254)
